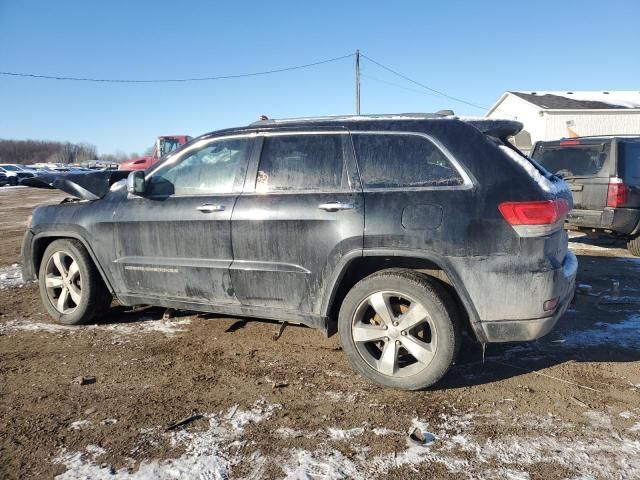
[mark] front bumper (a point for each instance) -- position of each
(531, 329)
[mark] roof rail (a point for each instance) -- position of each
(338, 118)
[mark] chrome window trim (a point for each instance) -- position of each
(467, 183)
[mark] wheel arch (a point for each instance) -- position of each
(42, 240)
(356, 267)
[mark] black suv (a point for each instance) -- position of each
(395, 230)
(603, 174)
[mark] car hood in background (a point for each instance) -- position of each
(85, 185)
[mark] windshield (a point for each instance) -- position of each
(574, 160)
(168, 145)
(10, 168)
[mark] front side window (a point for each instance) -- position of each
(211, 169)
(302, 162)
(397, 161)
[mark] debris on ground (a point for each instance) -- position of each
(84, 380)
(184, 422)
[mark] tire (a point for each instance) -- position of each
(85, 295)
(633, 245)
(434, 340)
(13, 181)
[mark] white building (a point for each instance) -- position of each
(555, 115)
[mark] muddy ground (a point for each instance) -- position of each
(566, 406)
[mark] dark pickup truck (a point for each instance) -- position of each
(603, 174)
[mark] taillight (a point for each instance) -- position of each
(531, 219)
(616, 193)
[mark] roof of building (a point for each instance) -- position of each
(582, 100)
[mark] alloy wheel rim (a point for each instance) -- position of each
(63, 282)
(394, 334)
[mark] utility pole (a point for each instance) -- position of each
(357, 82)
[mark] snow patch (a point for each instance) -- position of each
(11, 276)
(623, 334)
(167, 327)
(338, 434)
(207, 453)
(80, 424)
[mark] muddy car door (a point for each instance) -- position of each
(301, 214)
(175, 240)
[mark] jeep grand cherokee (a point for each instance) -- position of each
(395, 230)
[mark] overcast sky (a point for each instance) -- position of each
(471, 50)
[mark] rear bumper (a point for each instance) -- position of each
(531, 329)
(619, 220)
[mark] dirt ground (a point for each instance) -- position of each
(566, 406)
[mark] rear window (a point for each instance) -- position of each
(575, 160)
(629, 163)
(395, 161)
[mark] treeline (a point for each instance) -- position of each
(37, 151)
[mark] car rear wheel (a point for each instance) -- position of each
(400, 329)
(71, 288)
(633, 245)
(13, 181)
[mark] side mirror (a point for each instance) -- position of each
(135, 183)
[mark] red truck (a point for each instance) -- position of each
(164, 145)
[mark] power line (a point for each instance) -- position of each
(175, 80)
(397, 85)
(475, 105)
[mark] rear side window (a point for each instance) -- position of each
(302, 162)
(396, 161)
(629, 164)
(575, 160)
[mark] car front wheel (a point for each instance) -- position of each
(71, 287)
(400, 328)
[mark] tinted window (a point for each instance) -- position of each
(630, 162)
(302, 162)
(391, 161)
(209, 170)
(574, 160)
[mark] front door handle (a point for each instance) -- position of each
(208, 208)
(335, 206)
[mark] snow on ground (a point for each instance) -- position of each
(167, 327)
(11, 276)
(624, 334)
(207, 453)
(213, 452)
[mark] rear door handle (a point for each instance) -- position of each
(335, 206)
(208, 208)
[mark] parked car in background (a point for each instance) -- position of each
(603, 174)
(460, 231)
(14, 173)
(164, 145)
